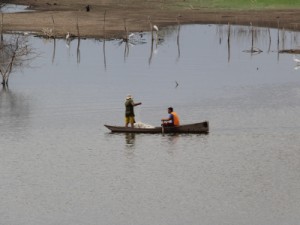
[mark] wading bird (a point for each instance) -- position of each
(296, 60)
(68, 36)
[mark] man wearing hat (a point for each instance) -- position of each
(129, 111)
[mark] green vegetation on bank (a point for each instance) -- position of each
(241, 4)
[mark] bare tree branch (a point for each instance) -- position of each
(15, 53)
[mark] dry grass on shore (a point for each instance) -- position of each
(113, 18)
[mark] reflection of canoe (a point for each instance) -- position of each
(197, 128)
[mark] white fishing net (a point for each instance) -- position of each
(142, 125)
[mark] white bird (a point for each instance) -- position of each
(130, 35)
(68, 36)
(296, 60)
(68, 40)
(297, 67)
(155, 27)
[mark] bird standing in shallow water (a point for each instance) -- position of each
(68, 36)
(296, 60)
(156, 31)
(68, 39)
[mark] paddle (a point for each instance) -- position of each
(162, 127)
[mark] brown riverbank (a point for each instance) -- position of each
(63, 16)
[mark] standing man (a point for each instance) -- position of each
(172, 120)
(129, 111)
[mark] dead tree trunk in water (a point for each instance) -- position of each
(178, 33)
(6, 70)
(14, 54)
(228, 42)
(126, 40)
(54, 41)
(78, 43)
(104, 34)
(1, 27)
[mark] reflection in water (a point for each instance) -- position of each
(297, 67)
(228, 43)
(278, 38)
(78, 43)
(172, 140)
(104, 32)
(14, 109)
(130, 139)
(104, 55)
(257, 36)
(54, 50)
(78, 50)
(178, 34)
(126, 40)
(153, 29)
(126, 51)
(297, 61)
(146, 179)
(54, 41)
(254, 35)
(151, 52)
(15, 54)
(68, 45)
(270, 40)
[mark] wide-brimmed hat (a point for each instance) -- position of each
(129, 97)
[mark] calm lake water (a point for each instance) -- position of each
(60, 165)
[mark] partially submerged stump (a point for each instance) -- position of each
(290, 51)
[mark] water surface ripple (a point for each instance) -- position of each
(59, 164)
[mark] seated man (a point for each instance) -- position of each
(172, 120)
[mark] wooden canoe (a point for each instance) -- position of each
(197, 128)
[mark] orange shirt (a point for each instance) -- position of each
(175, 119)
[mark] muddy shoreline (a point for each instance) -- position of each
(113, 19)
